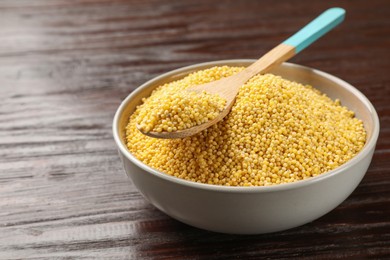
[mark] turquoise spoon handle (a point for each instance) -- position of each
(316, 28)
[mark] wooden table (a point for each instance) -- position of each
(65, 66)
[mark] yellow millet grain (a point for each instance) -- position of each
(278, 131)
(171, 107)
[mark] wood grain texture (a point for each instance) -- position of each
(66, 65)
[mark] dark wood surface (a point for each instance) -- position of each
(65, 66)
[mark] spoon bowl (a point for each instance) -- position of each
(228, 87)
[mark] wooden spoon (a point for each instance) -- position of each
(228, 87)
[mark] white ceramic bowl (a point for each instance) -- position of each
(251, 210)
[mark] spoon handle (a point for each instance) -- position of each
(316, 28)
(296, 43)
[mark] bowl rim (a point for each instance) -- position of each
(252, 189)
